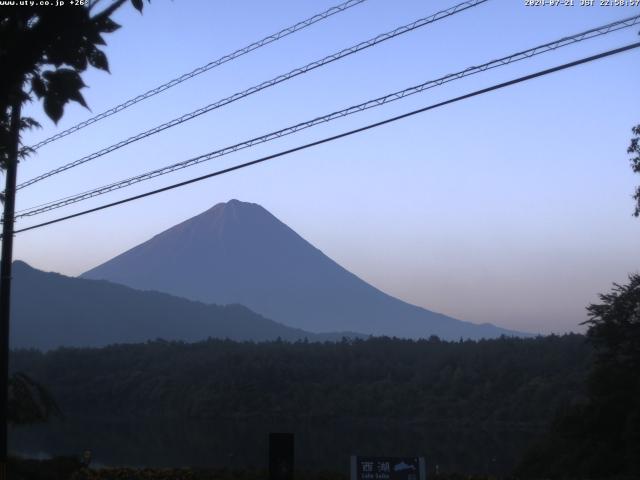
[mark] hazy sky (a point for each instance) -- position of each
(512, 208)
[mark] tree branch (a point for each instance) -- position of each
(109, 10)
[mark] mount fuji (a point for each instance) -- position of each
(239, 253)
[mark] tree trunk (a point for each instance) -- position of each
(5, 277)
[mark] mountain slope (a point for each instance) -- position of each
(238, 252)
(50, 310)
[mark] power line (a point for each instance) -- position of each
(594, 32)
(269, 83)
(204, 68)
(341, 135)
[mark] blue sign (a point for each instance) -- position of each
(388, 468)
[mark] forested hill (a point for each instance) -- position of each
(51, 310)
(507, 380)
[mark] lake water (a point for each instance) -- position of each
(324, 445)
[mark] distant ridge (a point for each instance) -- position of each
(239, 253)
(50, 310)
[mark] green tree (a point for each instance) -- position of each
(614, 383)
(43, 52)
(634, 149)
(29, 402)
(44, 49)
(601, 438)
(614, 327)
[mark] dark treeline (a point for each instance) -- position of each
(600, 438)
(522, 382)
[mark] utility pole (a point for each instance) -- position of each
(5, 276)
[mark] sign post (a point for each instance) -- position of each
(281, 456)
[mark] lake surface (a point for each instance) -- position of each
(324, 445)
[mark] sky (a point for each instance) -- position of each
(513, 207)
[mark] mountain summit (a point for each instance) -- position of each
(239, 253)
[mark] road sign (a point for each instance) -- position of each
(388, 468)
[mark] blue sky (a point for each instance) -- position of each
(512, 208)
